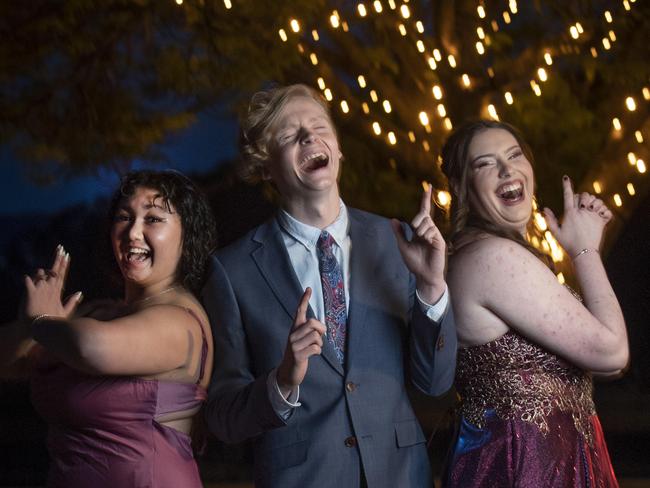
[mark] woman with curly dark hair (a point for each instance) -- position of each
(121, 384)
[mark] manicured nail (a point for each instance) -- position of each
(59, 249)
(80, 296)
(67, 256)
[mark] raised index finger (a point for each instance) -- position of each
(301, 313)
(425, 204)
(567, 190)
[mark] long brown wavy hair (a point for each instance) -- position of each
(466, 224)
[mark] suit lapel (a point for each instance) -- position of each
(362, 266)
(272, 259)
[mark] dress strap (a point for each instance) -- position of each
(204, 345)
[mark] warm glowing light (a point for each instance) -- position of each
(313, 58)
(404, 10)
(630, 104)
(597, 188)
(411, 136)
(420, 27)
(626, 4)
(535, 87)
(508, 97)
(594, 53)
(314, 34)
(639, 136)
(420, 46)
(630, 189)
(362, 81)
(391, 4)
(391, 138)
(373, 96)
(579, 27)
(441, 110)
(448, 124)
(541, 73)
(466, 80)
(437, 55)
(328, 94)
(616, 123)
(646, 92)
(481, 11)
(513, 6)
(612, 35)
(548, 59)
(540, 222)
(495, 26)
(295, 25)
(425, 145)
(506, 17)
(344, 107)
(437, 92)
(493, 112)
(480, 32)
(321, 83)
(444, 198)
(479, 47)
(606, 43)
(424, 118)
(640, 166)
(428, 129)
(432, 63)
(283, 35)
(335, 20)
(631, 157)
(402, 29)
(387, 107)
(361, 8)
(617, 200)
(376, 128)
(179, 2)
(490, 72)
(452, 60)
(365, 108)
(378, 6)
(560, 278)
(574, 32)
(608, 16)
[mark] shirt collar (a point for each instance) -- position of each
(308, 235)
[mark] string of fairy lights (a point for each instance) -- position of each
(376, 108)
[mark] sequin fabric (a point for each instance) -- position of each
(518, 379)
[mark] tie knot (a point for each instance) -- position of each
(325, 241)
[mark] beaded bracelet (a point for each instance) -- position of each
(40, 317)
(585, 251)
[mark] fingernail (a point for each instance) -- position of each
(80, 296)
(59, 249)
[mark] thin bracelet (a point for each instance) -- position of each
(40, 317)
(585, 251)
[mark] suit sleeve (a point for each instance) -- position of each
(432, 346)
(238, 405)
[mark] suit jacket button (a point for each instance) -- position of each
(350, 386)
(351, 441)
(441, 342)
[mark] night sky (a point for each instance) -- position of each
(200, 148)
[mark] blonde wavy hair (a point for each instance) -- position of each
(255, 134)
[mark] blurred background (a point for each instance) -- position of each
(92, 88)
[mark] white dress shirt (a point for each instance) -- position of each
(300, 240)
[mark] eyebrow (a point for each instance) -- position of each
(493, 154)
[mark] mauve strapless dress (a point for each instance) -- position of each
(527, 420)
(103, 433)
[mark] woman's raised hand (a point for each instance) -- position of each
(585, 217)
(45, 289)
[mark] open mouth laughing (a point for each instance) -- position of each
(511, 192)
(137, 254)
(314, 161)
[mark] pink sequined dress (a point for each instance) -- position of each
(103, 431)
(527, 420)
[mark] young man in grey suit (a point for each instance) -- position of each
(315, 316)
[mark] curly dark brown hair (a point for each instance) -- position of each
(197, 220)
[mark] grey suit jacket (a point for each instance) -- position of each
(351, 419)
